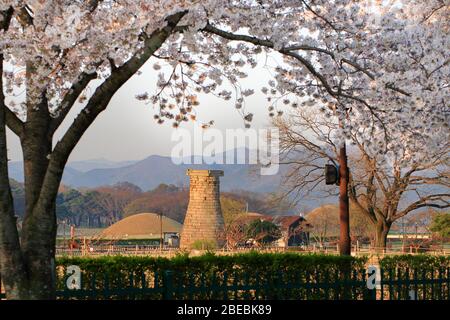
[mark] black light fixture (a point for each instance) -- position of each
(331, 174)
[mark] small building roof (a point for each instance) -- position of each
(284, 222)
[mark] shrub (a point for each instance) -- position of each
(423, 274)
(441, 225)
(204, 245)
(418, 262)
(205, 277)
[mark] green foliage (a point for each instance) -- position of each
(211, 271)
(441, 225)
(204, 245)
(97, 207)
(167, 199)
(422, 268)
(263, 231)
(231, 208)
(411, 262)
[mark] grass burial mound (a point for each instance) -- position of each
(141, 226)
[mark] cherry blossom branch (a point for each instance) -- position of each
(11, 119)
(320, 16)
(443, 5)
(98, 103)
(266, 43)
(289, 52)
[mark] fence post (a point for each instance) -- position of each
(168, 285)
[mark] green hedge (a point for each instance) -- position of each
(274, 275)
(411, 262)
(415, 267)
(428, 276)
(254, 276)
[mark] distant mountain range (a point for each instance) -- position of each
(87, 165)
(154, 170)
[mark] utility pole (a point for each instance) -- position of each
(64, 233)
(344, 208)
(161, 228)
(403, 234)
(340, 176)
(72, 237)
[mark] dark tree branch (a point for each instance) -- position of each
(24, 16)
(13, 122)
(92, 4)
(69, 100)
(438, 202)
(6, 18)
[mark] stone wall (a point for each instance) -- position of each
(204, 220)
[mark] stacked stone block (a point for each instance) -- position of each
(204, 220)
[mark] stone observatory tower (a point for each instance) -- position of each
(204, 221)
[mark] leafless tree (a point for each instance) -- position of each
(234, 233)
(381, 186)
(325, 225)
(300, 229)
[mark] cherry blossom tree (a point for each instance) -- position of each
(383, 187)
(55, 49)
(385, 65)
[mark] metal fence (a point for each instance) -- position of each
(392, 285)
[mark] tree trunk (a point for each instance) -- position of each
(344, 212)
(382, 230)
(11, 262)
(28, 266)
(39, 224)
(11, 259)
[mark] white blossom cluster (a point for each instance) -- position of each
(58, 41)
(385, 67)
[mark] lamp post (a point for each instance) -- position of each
(344, 216)
(72, 237)
(161, 234)
(64, 232)
(403, 234)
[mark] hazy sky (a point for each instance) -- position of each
(126, 130)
